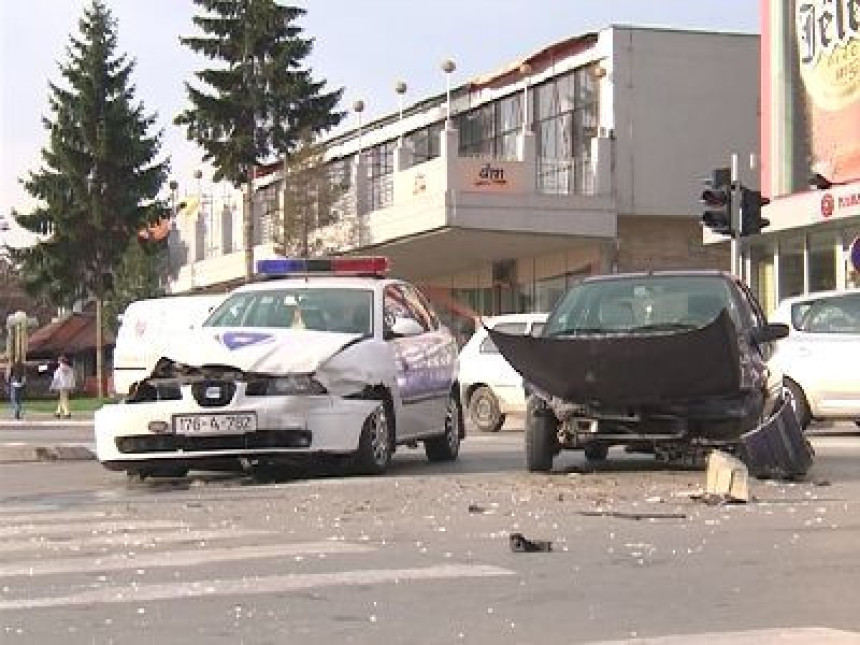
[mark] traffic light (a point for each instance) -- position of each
(751, 220)
(718, 197)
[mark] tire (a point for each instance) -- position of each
(446, 447)
(484, 410)
(375, 446)
(541, 440)
(798, 401)
(596, 452)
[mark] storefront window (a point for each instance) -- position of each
(791, 267)
(822, 261)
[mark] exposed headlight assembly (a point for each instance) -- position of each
(289, 384)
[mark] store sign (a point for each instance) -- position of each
(840, 205)
(485, 175)
(490, 175)
(810, 70)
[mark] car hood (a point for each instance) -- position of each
(262, 351)
(630, 368)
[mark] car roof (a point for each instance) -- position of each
(662, 273)
(816, 295)
(317, 281)
(492, 321)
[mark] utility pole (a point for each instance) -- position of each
(736, 217)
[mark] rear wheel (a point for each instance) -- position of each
(375, 445)
(798, 401)
(484, 410)
(446, 447)
(541, 439)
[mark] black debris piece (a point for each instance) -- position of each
(777, 449)
(521, 544)
(635, 516)
(474, 508)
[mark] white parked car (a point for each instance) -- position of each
(490, 387)
(820, 356)
(329, 359)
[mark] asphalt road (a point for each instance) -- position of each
(423, 554)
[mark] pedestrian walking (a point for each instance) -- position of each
(63, 382)
(16, 377)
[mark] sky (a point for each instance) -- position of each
(362, 46)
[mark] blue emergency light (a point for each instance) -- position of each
(368, 265)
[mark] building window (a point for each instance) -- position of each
(425, 143)
(380, 162)
(566, 121)
(491, 130)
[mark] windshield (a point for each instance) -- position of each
(337, 310)
(642, 303)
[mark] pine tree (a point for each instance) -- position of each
(260, 99)
(100, 178)
(309, 197)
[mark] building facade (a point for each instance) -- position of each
(581, 158)
(810, 88)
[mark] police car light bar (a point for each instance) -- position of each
(369, 265)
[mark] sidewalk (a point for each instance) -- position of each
(40, 436)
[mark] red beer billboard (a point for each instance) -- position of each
(810, 92)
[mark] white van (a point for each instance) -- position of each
(147, 326)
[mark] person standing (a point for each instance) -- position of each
(63, 382)
(17, 378)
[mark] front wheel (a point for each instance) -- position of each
(375, 445)
(541, 438)
(446, 447)
(484, 410)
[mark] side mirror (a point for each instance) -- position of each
(769, 333)
(402, 327)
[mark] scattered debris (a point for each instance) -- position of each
(635, 516)
(726, 480)
(521, 544)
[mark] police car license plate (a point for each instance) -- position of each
(238, 423)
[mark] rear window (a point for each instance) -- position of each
(838, 315)
(643, 302)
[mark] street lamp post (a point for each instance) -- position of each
(358, 106)
(400, 88)
(448, 66)
(525, 71)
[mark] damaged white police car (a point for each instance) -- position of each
(327, 357)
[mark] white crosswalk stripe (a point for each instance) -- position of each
(184, 558)
(139, 539)
(46, 553)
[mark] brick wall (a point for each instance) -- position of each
(666, 243)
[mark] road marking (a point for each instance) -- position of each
(36, 518)
(255, 585)
(89, 527)
(788, 636)
(185, 558)
(139, 539)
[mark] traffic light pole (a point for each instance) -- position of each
(736, 218)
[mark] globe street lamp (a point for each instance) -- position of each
(358, 107)
(448, 66)
(400, 88)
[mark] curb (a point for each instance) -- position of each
(20, 452)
